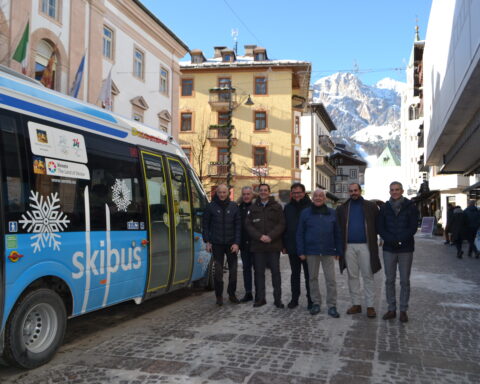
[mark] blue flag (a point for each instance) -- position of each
(78, 79)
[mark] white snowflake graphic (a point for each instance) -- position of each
(121, 196)
(45, 219)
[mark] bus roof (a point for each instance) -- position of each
(28, 96)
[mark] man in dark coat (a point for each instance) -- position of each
(472, 216)
(299, 201)
(245, 253)
(448, 232)
(357, 219)
(397, 225)
(458, 229)
(265, 225)
(221, 233)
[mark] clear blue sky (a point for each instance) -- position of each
(332, 34)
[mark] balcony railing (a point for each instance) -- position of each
(324, 164)
(220, 169)
(223, 99)
(219, 134)
(326, 143)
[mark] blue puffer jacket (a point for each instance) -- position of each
(397, 231)
(319, 233)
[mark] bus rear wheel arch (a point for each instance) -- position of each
(35, 329)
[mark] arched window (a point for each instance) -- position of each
(45, 64)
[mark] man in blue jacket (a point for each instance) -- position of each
(221, 232)
(319, 241)
(397, 224)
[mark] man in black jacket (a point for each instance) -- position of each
(299, 201)
(246, 254)
(397, 224)
(221, 233)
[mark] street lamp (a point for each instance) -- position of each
(248, 102)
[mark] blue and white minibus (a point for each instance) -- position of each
(95, 210)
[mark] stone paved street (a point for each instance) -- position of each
(185, 338)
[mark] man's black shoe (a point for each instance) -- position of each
(403, 317)
(459, 254)
(248, 297)
(310, 305)
(279, 304)
(292, 304)
(389, 315)
(259, 303)
(332, 311)
(219, 301)
(233, 299)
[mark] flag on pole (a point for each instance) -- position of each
(106, 92)
(47, 76)
(20, 54)
(78, 79)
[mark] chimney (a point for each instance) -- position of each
(217, 51)
(249, 50)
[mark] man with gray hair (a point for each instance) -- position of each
(397, 225)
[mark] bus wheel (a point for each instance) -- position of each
(211, 275)
(35, 329)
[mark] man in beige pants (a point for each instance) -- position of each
(357, 219)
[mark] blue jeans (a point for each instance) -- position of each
(404, 262)
(247, 262)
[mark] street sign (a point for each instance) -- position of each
(428, 225)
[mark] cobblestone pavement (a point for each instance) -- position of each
(186, 338)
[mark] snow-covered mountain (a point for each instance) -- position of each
(363, 114)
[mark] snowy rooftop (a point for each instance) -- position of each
(240, 61)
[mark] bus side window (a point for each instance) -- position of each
(13, 175)
(199, 203)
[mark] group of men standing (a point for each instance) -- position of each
(311, 234)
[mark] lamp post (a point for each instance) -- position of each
(249, 102)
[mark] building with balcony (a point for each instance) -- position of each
(451, 67)
(350, 168)
(317, 170)
(119, 37)
(240, 118)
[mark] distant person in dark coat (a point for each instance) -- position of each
(221, 233)
(397, 224)
(265, 225)
(298, 202)
(458, 228)
(448, 233)
(472, 215)
(246, 254)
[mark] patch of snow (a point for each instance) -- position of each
(389, 83)
(374, 133)
(442, 283)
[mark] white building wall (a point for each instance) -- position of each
(377, 181)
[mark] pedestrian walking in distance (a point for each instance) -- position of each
(357, 218)
(245, 253)
(458, 228)
(221, 233)
(319, 241)
(397, 225)
(472, 216)
(265, 225)
(298, 202)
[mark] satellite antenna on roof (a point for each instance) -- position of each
(235, 40)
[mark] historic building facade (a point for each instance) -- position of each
(121, 38)
(240, 118)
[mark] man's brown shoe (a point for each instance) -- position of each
(354, 309)
(371, 312)
(403, 317)
(389, 315)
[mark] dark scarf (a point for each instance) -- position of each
(222, 203)
(322, 210)
(397, 204)
(302, 203)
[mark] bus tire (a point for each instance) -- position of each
(35, 329)
(211, 275)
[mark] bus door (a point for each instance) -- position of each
(182, 217)
(160, 219)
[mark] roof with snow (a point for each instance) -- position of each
(388, 158)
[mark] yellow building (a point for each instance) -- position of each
(259, 101)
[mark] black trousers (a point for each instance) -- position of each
(247, 261)
(296, 265)
(261, 259)
(219, 251)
